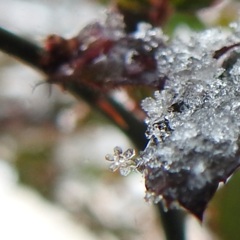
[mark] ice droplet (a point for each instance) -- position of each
(109, 157)
(149, 196)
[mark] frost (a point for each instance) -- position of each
(193, 124)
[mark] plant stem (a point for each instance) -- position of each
(173, 222)
(31, 54)
(20, 48)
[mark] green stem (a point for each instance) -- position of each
(31, 54)
(173, 222)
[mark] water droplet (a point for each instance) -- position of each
(109, 157)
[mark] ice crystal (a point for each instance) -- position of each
(193, 121)
(122, 161)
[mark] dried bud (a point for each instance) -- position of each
(104, 56)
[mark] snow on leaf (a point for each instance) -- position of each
(194, 122)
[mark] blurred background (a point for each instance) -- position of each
(54, 180)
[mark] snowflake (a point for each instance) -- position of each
(122, 161)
